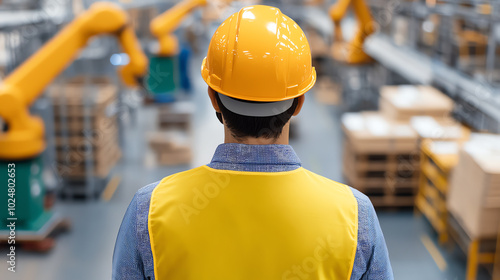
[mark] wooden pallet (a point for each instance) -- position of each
(95, 138)
(102, 106)
(433, 188)
(328, 92)
(171, 147)
(102, 165)
(78, 143)
(99, 92)
(387, 179)
(179, 156)
(362, 136)
(427, 101)
(385, 193)
(174, 116)
(76, 125)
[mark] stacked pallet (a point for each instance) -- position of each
(440, 140)
(175, 115)
(170, 147)
(404, 102)
(172, 143)
(426, 109)
(381, 155)
(319, 46)
(380, 158)
(443, 129)
(474, 200)
(327, 91)
(438, 158)
(85, 130)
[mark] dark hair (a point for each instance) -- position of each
(245, 126)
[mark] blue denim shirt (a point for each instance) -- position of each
(133, 259)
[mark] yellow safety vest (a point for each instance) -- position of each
(222, 225)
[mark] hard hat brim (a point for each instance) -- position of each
(302, 88)
(255, 109)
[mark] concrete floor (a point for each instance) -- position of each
(86, 252)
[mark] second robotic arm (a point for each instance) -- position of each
(24, 137)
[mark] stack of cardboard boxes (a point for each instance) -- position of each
(85, 127)
(474, 202)
(171, 144)
(170, 147)
(404, 102)
(382, 156)
(474, 191)
(379, 158)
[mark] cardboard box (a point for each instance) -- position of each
(76, 101)
(474, 191)
(97, 93)
(428, 127)
(178, 114)
(403, 102)
(372, 132)
(180, 156)
(319, 47)
(171, 147)
(328, 92)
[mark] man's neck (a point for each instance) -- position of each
(281, 140)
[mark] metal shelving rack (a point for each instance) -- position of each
(477, 100)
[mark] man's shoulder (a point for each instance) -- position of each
(329, 182)
(146, 191)
(364, 203)
(143, 196)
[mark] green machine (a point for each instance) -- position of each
(164, 80)
(23, 195)
(22, 140)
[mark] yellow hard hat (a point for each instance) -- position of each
(259, 54)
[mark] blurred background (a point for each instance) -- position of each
(406, 109)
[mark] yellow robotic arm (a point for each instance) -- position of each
(351, 52)
(25, 135)
(165, 24)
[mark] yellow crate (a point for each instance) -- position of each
(433, 187)
(479, 251)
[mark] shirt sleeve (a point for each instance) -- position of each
(127, 262)
(372, 257)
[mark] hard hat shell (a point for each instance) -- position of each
(259, 54)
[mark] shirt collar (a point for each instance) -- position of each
(258, 158)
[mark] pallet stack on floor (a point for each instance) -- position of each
(382, 155)
(474, 201)
(171, 147)
(438, 158)
(406, 101)
(171, 144)
(86, 130)
(379, 158)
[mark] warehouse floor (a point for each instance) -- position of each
(86, 252)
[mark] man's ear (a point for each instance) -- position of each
(299, 104)
(211, 94)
